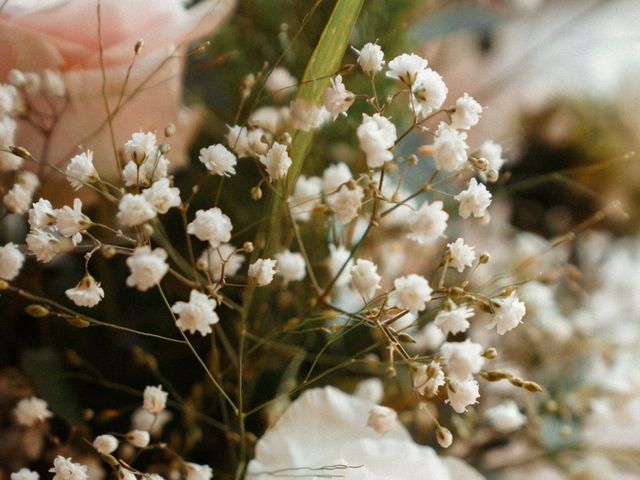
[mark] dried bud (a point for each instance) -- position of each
(3, 285)
(444, 436)
(78, 322)
(532, 387)
(108, 251)
(165, 148)
(484, 258)
(37, 311)
(492, 175)
(426, 150)
(147, 229)
(248, 247)
(495, 375)
(21, 152)
(412, 160)
(256, 193)
(170, 130)
(490, 353)
(139, 46)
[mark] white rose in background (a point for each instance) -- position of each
(36, 36)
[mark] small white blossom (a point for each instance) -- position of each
(272, 119)
(197, 315)
(71, 221)
(462, 394)
(492, 153)
(138, 438)
(506, 417)
(154, 399)
(211, 226)
(18, 199)
(214, 258)
(428, 223)
(123, 474)
(147, 267)
(454, 319)
(262, 271)
(336, 98)
(450, 148)
(25, 474)
(81, 170)
(280, 82)
(509, 313)
(162, 196)
(429, 91)
(65, 469)
(346, 203)
(141, 146)
(430, 337)
(105, 444)
(87, 293)
(411, 292)
(371, 58)
(461, 255)
(11, 260)
(377, 136)
(53, 84)
(406, 68)
(305, 115)
(474, 200)
(8, 99)
(427, 379)
(245, 142)
(371, 390)
(334, 176)
(276, 161)
(16, 78)
(338, 256)
(152, 169)
(463, 359)
(306, 196)
(382, 419)
(290, 266)
(218, 160)
(198, 472)
(143, 420)
(134, 209)
(43, 244)
(42, 214)
(467, 113)
(31, 410)
(364, 278)
(28, 180)
(32, 83)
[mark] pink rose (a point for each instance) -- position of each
(62, 35)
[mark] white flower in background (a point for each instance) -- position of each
(87, 293)
(272, 119)
(454, 320)
(16, 78)
(411, 292)
(429, 91)
(370, 58)
(290, 266)
(334, 176)
(276, 161)
(462, 393)
(467, 113)
(336, 98)
(153, 476)
(262, 271)
(31, 410)
(71, 221)
(218, 160)
(506, 417)
(32, 83)
(370, 390)
(8, 99)
(25, 474)
(377, 135)
(138, 438)
(123, 474)
(8, 161)
(134, 209)
(197, 315)
(509, 313)
(328, 427)
(28, 180)
(492, 153)
(81, 170)
(305, 115)
(198, 472)
(306, 196)
(42, 214)
(461, 255)
(43, 244)
(382, 419)
(463, 359)
(105, 444)
(11, 260)
(280, 83)
(211, 225)
(154, 424)
(53, 84)
(338, 256)
(245, 142)
(147, 267)
(65, 469)
(141, 146)
(474, 200)
(154, 399)
(346, 203)
(406, 68)
(162, 196)
(17, 199)
(214, 258)
(364, 278)
(428, 223)
(427, 379)
(450, 148)
(429, 337)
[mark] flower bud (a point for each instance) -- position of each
(256, 193)
(37, 311)
(444, 436)
(139, 46)
(170, 130)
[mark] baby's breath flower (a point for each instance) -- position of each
(134, 209)
(213, 259)
(272, 119)
(262, 271)
(474, 200)
(25, 474)
(11, 260)
(334, 176)
(245, 142)
(377, 136)
(290, 266)
(276, 161)
(18, 199)
(306, 116)
(197, 315)
(32, 83)
(162, 196)
(65, 469)
(364, 278)
(198, 472)
(428, 223)
(370, 390)
(211, 226)
(280, 83)
(492, 153)
(346, 203)
(218, 160)
(371, 58)
(427, 379)
(462, 393)
(87, 293)
(463, 359)
(28, 180)
(454, 319)
(71, 221)
(429, 91)
(461, 255)
(43, 244)
(406, 68)
(147, 267)
(138, 438)
(80, 170)
(382, 419)
(306, 196)
(336, 98)
(105, 444)
(140, 146)
(450, 148)
(154, 399)
(467, 113)
(31, 410)
(509, 313)
(53, 84)
(42, 214)
(411, 292)
(338, 256)
(505, 417)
